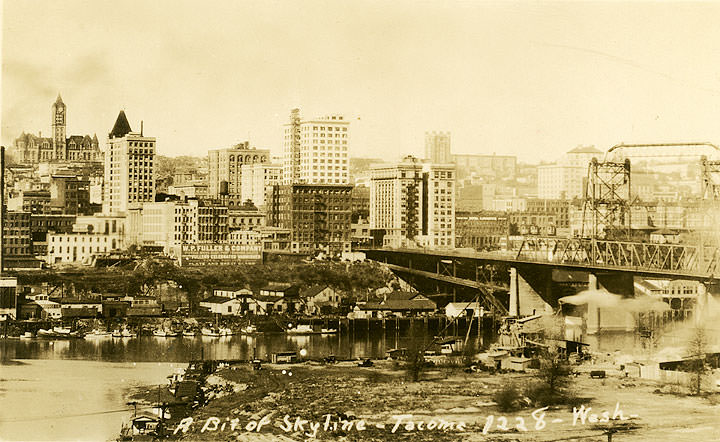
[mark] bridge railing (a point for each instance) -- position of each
(675, 258)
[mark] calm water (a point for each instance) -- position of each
(153, 349)
(70, 400)
(76, 389)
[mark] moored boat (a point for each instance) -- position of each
(210, 332)
(249, 329)
(328, 331)
(27, 335)
(189, 333)
(300, 329)
(224, 331)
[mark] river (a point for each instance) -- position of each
(76, 389)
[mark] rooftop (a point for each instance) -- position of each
(585, 149)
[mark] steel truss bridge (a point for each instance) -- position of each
(487, 272)
(679, 261)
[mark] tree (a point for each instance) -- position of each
(697, 351)
(554, 372)
(415, 355)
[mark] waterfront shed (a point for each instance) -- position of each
(221, 305)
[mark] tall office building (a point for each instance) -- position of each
(566, 178)
(257, 179)
(318, 216)
(315, 151)
(437, 147)
(129, 168)
(413, 203)
(314, 200)
(225, 168)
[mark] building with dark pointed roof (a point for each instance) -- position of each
(32, 149)
(121, 127)
(129, 168)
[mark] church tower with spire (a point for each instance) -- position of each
(58, 128)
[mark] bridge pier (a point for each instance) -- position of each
(524, 299)
(701, 305)
(610, 318)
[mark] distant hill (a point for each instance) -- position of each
(360, 164)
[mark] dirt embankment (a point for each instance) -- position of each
(346, 402)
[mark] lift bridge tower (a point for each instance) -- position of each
(608, 199)
(606, 206)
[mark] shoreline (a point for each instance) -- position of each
(315, 401)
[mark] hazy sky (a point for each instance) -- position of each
(532, 79)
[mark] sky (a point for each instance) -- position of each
(531, 79)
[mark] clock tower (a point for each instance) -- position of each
(58, 128)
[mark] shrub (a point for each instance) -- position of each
(553, 379)
(414, 364)
(507, 397)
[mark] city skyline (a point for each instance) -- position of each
(531, 80)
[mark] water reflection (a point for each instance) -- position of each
(182, 349)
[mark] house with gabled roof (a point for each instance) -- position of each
(320, 299)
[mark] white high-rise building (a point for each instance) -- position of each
(315, 151)
(566, 178)
(169, 224)
(129, 168)
(256, 179)
(414, 203)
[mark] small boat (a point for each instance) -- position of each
(171, 334)
(189, 333)
(42, 333)
(26, 335)
(61, 331)
(249, 329)
(77, 334)
(328, 331)
(224, 331)
(97, 333)
(210, 332)
(301, 329)
(128, 334)
(117, 334)
(160, 333)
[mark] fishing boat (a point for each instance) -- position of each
(43, 333)
(249, 329)
(210, 332)
(97, 333)
(62, 331)
(124, 333)
(59, 333)
(224, 331)
(300, 329)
